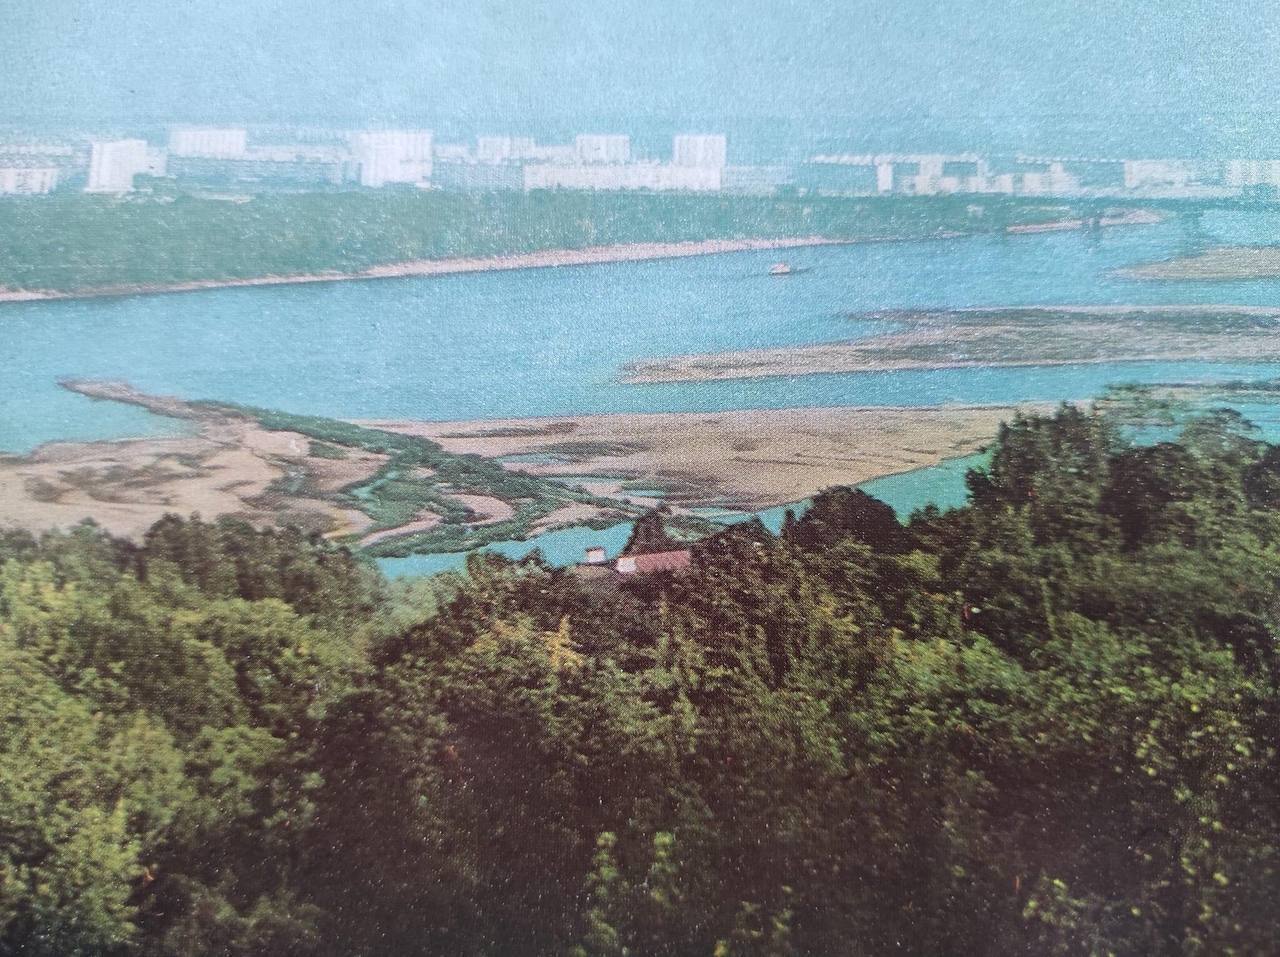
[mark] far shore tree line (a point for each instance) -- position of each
(85, 243)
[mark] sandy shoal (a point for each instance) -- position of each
(755, 459)
(962, 338)
(1222, 264)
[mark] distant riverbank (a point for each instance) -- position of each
(887, 231)
(543, 259)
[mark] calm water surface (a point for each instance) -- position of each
(553, 341)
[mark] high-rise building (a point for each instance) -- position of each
(114, 163)
(1242, 173)
(1158, 174)
(503, 149)
(700, 149)
(27, 180)
(654, 177)
(393, 156)
(602, 148)
(208, 142)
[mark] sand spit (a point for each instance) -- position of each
(754, 459)
(1023, 336)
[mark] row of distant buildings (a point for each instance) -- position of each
(229, 157)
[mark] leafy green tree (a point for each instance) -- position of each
(649, 535)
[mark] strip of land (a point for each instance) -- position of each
(200, 244)
(1221, 264)
(543, 259)
(398, 487)
(226, 465)
(964, 338)
(745, 459)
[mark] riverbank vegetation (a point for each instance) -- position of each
(60, 244)
(1043, 723)
(419, 477)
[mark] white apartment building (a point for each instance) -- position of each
(114, 163)
(602, 148)
(656, 177)
(208, 142)
(555, 153)
(1054, 181)
(1145, 174)
(504, 149)
(157, 161)
(700, 149)
(452, 153)
(393, 156)
(27, 180)
(37, 149)
(1241, 173)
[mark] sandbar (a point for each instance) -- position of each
(1221, 264)
(1019, 336)
(748, 459)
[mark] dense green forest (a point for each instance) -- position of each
(1045, 723)
(75, 241)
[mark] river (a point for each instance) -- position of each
(553, 341)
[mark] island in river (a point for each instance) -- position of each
(1023, 336)
(1220, 264)
(395, 488)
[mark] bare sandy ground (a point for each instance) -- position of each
(1130, 217)
(1223, 264)
(750, 458)
(967, 338)
(423, 522)
(232, 466)
(486, 509)
(226, 466)
(544, 259)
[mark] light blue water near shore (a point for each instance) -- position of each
(942, 485)
(553, 341)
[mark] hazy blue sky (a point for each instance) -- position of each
(273, 60)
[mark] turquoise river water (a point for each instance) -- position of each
(553, 341)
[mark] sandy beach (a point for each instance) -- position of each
(1031, 336)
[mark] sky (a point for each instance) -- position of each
(532, 63)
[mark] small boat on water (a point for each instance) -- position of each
(785, 269)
